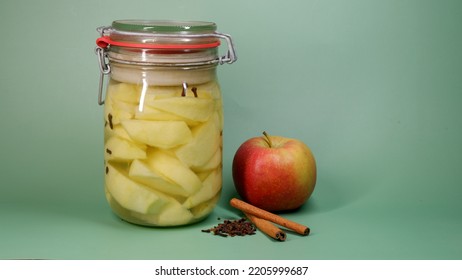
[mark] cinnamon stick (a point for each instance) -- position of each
(263, 214)
(267, 227)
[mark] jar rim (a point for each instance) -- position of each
(164, 26)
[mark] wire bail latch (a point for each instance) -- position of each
(105, 42)
(104, 68)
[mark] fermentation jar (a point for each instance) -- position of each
(163, 119)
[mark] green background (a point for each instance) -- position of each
(373, 87)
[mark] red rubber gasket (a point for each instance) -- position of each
(105, 41)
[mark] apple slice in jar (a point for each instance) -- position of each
(159, 92)
(162, 134)
(172, 168)
(119, 149)
(131, 195)
(210, 187)
(127, 108)
(119, 131)
(210, 90)
(140, 171)
(153, 114)
(171, 214)
(212, 163)
(174, 214)
(203, 145)
(124, 92)
(114, 116)
(192, 108)
(203, 209)
(219, 113)
(121, 211)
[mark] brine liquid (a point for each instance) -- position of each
(163, 151)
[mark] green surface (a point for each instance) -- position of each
(373, 87)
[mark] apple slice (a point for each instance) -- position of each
(212, 163)
(174, 214)
(119, 149)
(125, 107)
(219, 112)
(203, 209)
(202, 175)
(205, 142)
(140, 172)
(162, 134)
(124, 92)
(131, 195)
(171, 214)
(159, 92)
(210, 90)
(189, 107)
(211, 186)
(114, 116)
(173, 169)
(153, 114)
(119, 131)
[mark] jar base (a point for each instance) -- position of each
(198, 214)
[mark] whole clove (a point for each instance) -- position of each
(109, 118)
(194, 90)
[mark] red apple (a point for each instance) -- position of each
(274, 173)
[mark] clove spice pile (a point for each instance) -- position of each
(232, 228)
(259, 218)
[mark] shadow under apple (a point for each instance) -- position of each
(331, 193)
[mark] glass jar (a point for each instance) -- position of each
(163, 119)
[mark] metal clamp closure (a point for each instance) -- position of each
(103, 60)
(230, 55)
(104, 68)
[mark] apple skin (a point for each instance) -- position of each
(274, 173)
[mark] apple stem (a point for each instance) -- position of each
(268, 139)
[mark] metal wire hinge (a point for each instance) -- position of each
(230, 55)
(104, 68)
